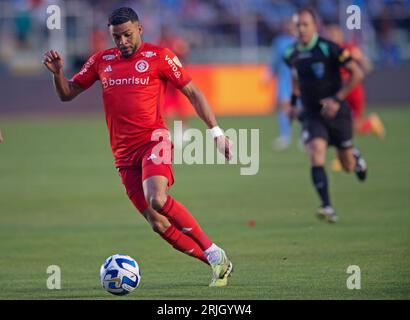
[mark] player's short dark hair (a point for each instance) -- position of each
(122, 15)
(310, 11)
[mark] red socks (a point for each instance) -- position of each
(180, 217)
(183, 243)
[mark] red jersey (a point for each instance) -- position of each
(356, 54)
(133, 93)
(356, 95)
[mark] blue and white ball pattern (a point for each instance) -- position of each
(120, 274)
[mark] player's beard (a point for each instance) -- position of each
(128, 51)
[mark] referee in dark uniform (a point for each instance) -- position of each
(325, 116)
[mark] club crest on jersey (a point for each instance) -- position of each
(141, 66)
(318, 69)
(148, 54)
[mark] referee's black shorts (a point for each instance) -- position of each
(337, 131)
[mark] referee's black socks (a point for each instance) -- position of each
(319, 180)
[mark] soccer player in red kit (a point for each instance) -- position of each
(134, 76)
(356, 98)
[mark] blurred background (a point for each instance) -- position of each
(225, 42)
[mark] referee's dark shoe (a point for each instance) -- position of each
(361, 165)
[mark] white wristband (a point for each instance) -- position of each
(216, 132)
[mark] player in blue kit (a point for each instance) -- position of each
(283, 74)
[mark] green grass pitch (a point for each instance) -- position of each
(62, 203)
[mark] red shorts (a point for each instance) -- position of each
(144, 167)
(356, 101)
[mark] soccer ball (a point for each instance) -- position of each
(120, 274)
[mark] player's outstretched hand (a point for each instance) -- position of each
(1, 137)
(53, 61)
(224, 146)
(330, 107)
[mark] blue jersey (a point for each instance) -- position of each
(279, 66)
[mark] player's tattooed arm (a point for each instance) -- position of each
(200, 104)
(66, 89)
(204, 111)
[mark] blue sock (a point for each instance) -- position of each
(284, 125)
